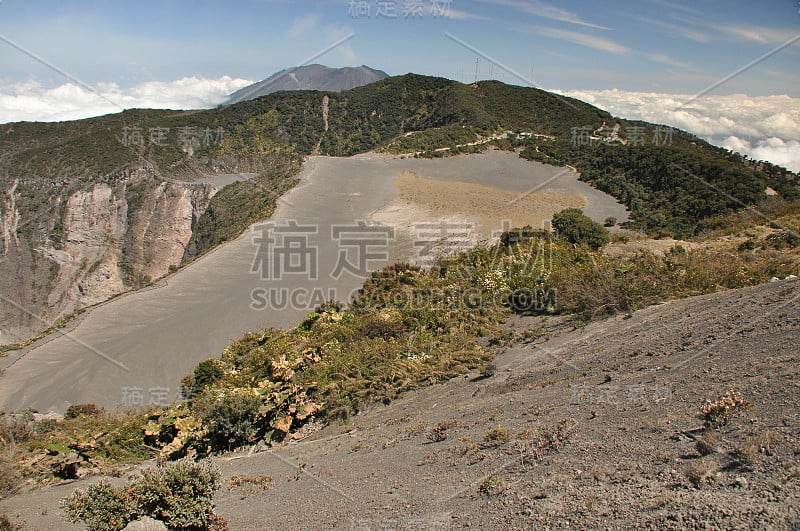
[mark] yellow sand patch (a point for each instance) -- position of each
(425, 200)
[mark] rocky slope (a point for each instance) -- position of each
(589, 427)
(310, 77)
(104, 239)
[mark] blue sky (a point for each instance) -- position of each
(666, 46)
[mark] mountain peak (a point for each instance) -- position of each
(310, 77)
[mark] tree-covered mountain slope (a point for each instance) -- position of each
(86, 205)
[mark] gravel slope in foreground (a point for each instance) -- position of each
(601, 425)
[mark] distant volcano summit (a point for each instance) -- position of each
(310, 77)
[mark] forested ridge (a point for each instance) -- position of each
(670, 186)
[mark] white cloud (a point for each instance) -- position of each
(30, 101)
(672, 5)
(779, 152)
(344, 50)
(734, 143)
(763, 127)
(666, 60)
(580, 38)
(761, 34)
(457, 14)
(304, 26)
(544, 10)
(683, 30)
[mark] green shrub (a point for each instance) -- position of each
(206, 373)
(525, 234)
(492, 486)
(180, 495)
(102, 507)
(85, 410)
(747, 245)
(232, 419)
(783, 239)
(378, 328)
(572, 225)
(497, 436)
(7, 525)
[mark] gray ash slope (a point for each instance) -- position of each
(575, 456)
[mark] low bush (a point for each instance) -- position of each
(9, 476)
(572, 225)
(492, 486)
(717, 413)
(206, 373)
(7, 525)
(232, 419)
(103, 507)
(439, 432)
(708, 443)
(783, 239)
(699, 470)
(85, 410)
(497, 437)
(180, 495)
(15, 429)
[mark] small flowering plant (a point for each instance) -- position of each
(718, 413)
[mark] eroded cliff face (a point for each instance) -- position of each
(88, 245)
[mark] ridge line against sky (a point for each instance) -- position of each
(649, 45)
(631, 58)
(763, 127)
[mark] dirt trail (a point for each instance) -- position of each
(600, 426)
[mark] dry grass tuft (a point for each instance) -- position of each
(698, 471)
(708, 443)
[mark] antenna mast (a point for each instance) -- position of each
(477, 64)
